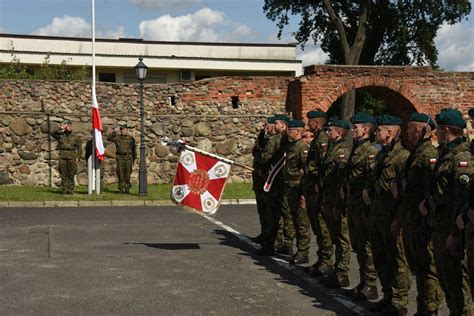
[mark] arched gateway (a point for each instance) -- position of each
(404, 89)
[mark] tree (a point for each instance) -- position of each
(369, 32)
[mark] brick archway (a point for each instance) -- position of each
(424, 89)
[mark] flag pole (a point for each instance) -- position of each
(181, 144)
(92, 160)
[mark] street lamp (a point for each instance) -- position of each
(140, 70)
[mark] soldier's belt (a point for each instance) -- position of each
(124, 154)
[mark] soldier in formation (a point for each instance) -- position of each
(126, 155)
(70, 151)
(403, 210)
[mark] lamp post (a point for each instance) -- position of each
(140, 70)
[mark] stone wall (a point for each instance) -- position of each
(203, 116)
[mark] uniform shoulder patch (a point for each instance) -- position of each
(463, 164)
(371, 157)
(342, 156)
(324, 145)
(433, 161)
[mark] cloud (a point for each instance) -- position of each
(163, 4)
(312, 55)
(455, 44)
(73, 26)
(205, 25)
(66, 26)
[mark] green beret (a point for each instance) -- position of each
(296, 124)
(388, 120)
(338, 122)
(471, 112)
(68, 122)
(450, 117)
(315, 114)
(362, 118)
(424, 118)
(271, 120)
(282, 117)
(123, 125)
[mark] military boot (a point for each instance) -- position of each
(366, 293)
(320, 269)
(336, 281)
(286, 250)
(379, 306)
(395, 310)
(300, 258)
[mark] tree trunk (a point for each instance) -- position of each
(348, 105)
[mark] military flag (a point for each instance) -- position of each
(199, 181)
(97, 126)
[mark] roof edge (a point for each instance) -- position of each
(141, 41)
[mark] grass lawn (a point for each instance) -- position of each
(155, 192)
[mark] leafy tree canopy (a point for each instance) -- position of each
(370, 32)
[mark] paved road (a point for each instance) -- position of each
(149, 260)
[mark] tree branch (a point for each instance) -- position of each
(361, 35)
(339, 28)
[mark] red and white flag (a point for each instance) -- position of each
(199, 181)
(97, 126)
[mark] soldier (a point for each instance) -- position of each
(449, 191)
(387, 251)
(70, 151)
(332, 170)
(271, 156)
(88, 153)
(296, 152)
(317, 150)
(125, 155)
(361, 159)
(259, 175)
(412, 187)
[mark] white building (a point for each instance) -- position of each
(166, 61)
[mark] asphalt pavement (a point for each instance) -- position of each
(151, 261)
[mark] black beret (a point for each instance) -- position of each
(338, 122)
(296, 124)
(282, 117)
(315, 114)
(424, 118)
(362, 118)
(388, 120)
(471, 112)
(450, 117)
(271, 120)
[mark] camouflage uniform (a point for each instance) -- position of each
(126, 154)
(70, 150)
(273, 199)
(361, 161)
(317, 150)
(333, 171)
(419, 252)
(259, 177)
(296, 154)
(449, 190)
(388, 253)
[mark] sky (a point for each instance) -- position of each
(194, 20)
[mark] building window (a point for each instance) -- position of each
(106, 77)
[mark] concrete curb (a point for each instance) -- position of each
(86, 203)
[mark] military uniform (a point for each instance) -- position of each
(273, 199)
(414, 185)
(317, 150)
(361, 161)
(126, 154)
(295, 157)
(388, 253)
(333, 170)
(258, 180)
(70, 150)
(449, 190)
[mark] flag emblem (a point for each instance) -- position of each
(432, 161)
(199, 181)
(463, 164)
